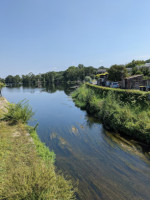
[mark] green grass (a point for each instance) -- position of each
(126, 96)
(20, 112)
(27, 170)
(42, 150)
(130, 118)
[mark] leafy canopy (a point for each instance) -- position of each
(117, 72)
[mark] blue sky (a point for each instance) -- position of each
(44, 35)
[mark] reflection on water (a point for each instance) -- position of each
(106, 165)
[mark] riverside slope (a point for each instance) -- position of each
(27, 169)
(120, 111)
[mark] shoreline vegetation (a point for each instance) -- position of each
(123, 111)
(27, 166)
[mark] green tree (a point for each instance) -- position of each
(9, 79)
(134, 63)
(72, 74)
(147, 61)
(117, 72)
(88, 79)
(145, 71)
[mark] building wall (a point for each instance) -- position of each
(133, 83)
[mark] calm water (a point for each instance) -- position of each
(107, 167)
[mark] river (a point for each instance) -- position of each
(105, 165)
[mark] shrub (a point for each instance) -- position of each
(20, 112)
(130, 116)
(126, 96)
(88, 79)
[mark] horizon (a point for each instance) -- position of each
(62, 70)
(42, 36)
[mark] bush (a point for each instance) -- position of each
(20, 112)
(115, 111)
(88, 79)
(126, 96)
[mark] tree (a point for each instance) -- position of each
(72, 74)
(9, 79)
(88, 79)
(145, 71)
(134, 63)
(147, 61)
(13, 79)
(80, 66)
(117, 72)
(102, 67)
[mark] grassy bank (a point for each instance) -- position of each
(126, 112)
(27, 166)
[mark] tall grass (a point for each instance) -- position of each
(42, 150)
(24, 175)
(27, 170)
(20, 112)
(130, 118)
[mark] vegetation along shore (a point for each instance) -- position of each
(27, 166)
(123, 111)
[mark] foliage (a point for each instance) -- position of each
(120, 111)
(126, 96)
(13, 79)
(1, 86)
(25, 175)
(117, 72)
(147, 61)
(88, 79)
(20, 112)
(42, 150)
(144, 70)
(73, 73)
(76, 74)
(134, 63)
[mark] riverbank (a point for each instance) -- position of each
(27, 165)
(126, 112)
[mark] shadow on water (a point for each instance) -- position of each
(107, 166)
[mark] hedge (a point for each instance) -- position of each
(124, 95)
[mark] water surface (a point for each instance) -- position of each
(108, 167)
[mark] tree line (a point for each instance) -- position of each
(79, 74)
(71, 74)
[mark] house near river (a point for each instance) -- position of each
(102, 79)
(136, 82)
(132, 82)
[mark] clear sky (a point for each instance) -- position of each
(44, 35)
